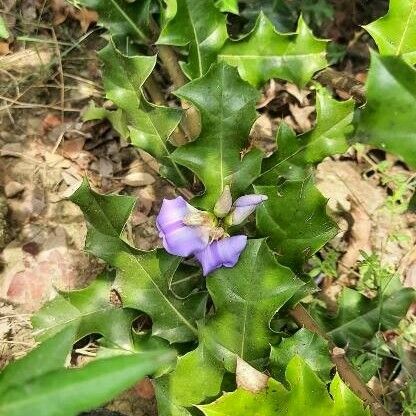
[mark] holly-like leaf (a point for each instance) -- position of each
(199, 24)
(143, 279)
(395, 33)
(227, 107)
(359, 318)
(295, 220)
(88, 310)
(108, 213)
(388, 120)
(239, 328)
(309, 346)
(123, 18)
(329, 137)
(67, 392)
(230, 6)
(148, 126)
(264, 54)
(307, 395)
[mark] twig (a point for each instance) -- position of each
(192, 123)
(61, 73)
(342, 81)
(346, 372)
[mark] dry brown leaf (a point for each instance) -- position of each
(85, 18)
(4, 48)
(302, 116)
(28, 59)
(138, 179)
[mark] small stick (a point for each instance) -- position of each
(342, 81)
(346, 372)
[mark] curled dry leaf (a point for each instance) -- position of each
(138, 179)
(248, 378)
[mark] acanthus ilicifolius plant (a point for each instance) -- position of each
(224, 293)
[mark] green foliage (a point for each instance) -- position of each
(307, 395)
(148, 126)
(4, 32)
(227, 5)
(227, 108)
(199, 24)
(309, 346)
(395, 33)
(388, 120)
(329, 137)
(38, 383)
(359, 318)
(143, 278)
(240, 327)
(264, 54)
(295, 220)
(123, 18)
(88, 311)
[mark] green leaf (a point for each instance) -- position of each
(240, 326)
(227, 107)
(309, 346)
(199, 24)
(307, 395)
(230, 6)
(359, 318)
(148, 126)
(4, 32)
(295, 220)
(48, 356)
(88, 310)
(165, 404)
(143, 279)
(123, 18)
(264, 54)
(388, 120)
(66, 392)
(108, 213)
(395, 33)
(117, 118)
(329, 137)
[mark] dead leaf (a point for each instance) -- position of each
(138, 179)
(4, 48)
(302, 116)
(85, 18)
(13, 188)
(248, 378)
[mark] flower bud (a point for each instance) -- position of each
(224, 203)
(243, 207)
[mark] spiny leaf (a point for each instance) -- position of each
(329, 137)
(88, 310)
(143, 279)
(148, 126)
(307, 395)
(227, 107)
(123, 18)
(359, 318)
(309, 346)
(240, 326)
(388, 120)
(199, 24)
(294, 217)
(395, 33)
(64, 392)
(264, 54)
(108, 213)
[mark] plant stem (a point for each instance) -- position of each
(342, 81)
(346, 372)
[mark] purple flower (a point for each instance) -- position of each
(178, 238)
(225, 252)
(243, 207)
(187, 231)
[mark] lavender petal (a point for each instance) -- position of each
(252, 199)
(225, 252)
